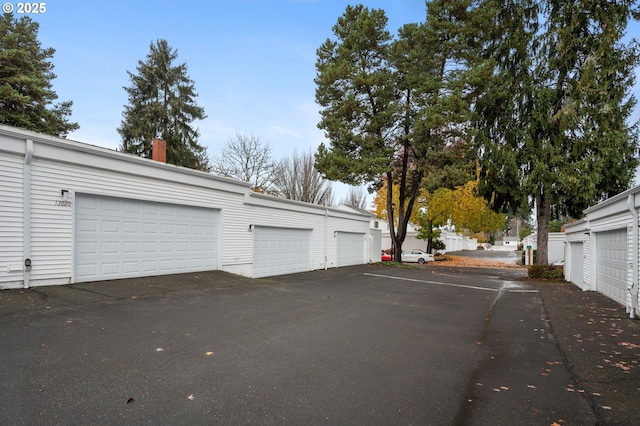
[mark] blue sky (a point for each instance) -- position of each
(253, 62)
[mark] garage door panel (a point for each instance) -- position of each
(577, 263)
(611, 264)
(350, 248)
(280, 251)
(119, 238)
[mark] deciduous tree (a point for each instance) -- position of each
(248, 158)
(297, 179)
(26, 75)
(356, 197)
(162, 103)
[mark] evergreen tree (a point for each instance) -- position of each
(26, 73)
(554, 124)
(162, 105)
(390, 106)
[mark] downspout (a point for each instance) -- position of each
(26, 187)
(632, 291)
(324, 233)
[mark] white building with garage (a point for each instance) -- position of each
(601, 251)
(75, 212)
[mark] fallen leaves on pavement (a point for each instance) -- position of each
(469, 262)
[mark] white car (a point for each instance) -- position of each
(417, 256)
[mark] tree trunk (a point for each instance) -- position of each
(543, 209)
(396, 248)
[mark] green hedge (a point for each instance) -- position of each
(545, 272)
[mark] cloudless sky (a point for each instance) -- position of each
(252, 62)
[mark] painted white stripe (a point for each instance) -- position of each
(524, 291)
(433, 282)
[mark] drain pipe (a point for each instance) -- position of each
(26, 202)
(324, 232)
(633, 290)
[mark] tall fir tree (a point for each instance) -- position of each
(389, 106)
(162, 105)
(553, 127)
(26, 93)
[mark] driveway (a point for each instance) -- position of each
(359, 345)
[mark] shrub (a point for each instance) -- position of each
(545, 272)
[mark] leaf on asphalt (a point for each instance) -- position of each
(134, 297)
(570, 390)
(191, 397)
(531, 386)
(597, 394)
(496, 390)
(552, 363)
(209, 353)
(606, 407)
(504, 388)
(159, 349)
(130, 400)
(629, 345)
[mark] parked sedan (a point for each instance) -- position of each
(416, 256)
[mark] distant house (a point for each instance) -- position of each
(555, 244)
(453, 241)
(507, 244)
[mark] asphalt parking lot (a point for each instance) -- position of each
(359, 345)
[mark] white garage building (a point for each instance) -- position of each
(601, 251)
(74, 212)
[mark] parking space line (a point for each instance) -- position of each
(472, 287)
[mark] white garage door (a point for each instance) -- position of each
(611, 264)
(350, 248)
(577, 263)
(121, 238)
(279, 251)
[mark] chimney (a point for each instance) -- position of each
(159, 150)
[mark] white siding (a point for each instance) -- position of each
(587, 267)
(52, 224)
(12, 223)
(83, 169)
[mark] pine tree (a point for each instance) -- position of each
(162, 105)
(26, 73)
(390, 106)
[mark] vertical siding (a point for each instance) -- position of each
(12, 223)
